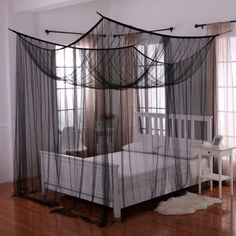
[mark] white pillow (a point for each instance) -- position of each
(140, 147)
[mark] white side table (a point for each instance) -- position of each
(218, 153)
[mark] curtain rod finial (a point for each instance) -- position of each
(47, 31)
(171, 29)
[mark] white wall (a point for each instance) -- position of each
(24, 23)
(151, 14)
(5, 147)
(182, 14)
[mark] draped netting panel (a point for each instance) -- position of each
(110, 118)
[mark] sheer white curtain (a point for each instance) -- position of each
(225, 86)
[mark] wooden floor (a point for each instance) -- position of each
(20, 217)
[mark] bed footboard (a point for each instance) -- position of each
(79, 178)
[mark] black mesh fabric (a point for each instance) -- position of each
(108, 118)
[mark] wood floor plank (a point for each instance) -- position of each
(21, 217)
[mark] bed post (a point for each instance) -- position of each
(116, 195)
(43, 190)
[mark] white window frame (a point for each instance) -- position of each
(66, 87)
(147, 108)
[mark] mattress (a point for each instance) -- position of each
(139, 169)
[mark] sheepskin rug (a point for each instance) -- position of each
(186, 204)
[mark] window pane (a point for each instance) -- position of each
(60, 57)
(141, 93)
(160, 73)
(70, 77)
(141, 48)
(233, 48)
(140, 73)
(61, 72)
(69, 57)
(80, 97)
(156, 97)
(65, 119)
(69, 72)
(61, 84)
(155, 51)
(152, 99)
(151, 49)
(80, 116)
(78, 75)
(141, 58)
(152, 73)
(78, 58)
(65, 98)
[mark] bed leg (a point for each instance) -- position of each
(43, 189)
(117, 212)
(116, 195)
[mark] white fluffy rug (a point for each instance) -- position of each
(186, 204)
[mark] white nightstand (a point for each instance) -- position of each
(218, 153)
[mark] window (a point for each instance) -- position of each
(152, 99)
(69, 97)
(226, 87)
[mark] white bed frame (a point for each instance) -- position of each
(71, 167)
(153, 126)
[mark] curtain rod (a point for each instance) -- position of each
(152, 31)
(66, 32)
(203, 25)
(60, 32)
(47, 31)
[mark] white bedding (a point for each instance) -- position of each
(137, 169)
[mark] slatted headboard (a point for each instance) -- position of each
(184, 127)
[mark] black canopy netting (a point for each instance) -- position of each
(110, 120)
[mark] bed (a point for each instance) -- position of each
(140, 185)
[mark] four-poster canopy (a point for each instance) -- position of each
(131, 107)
